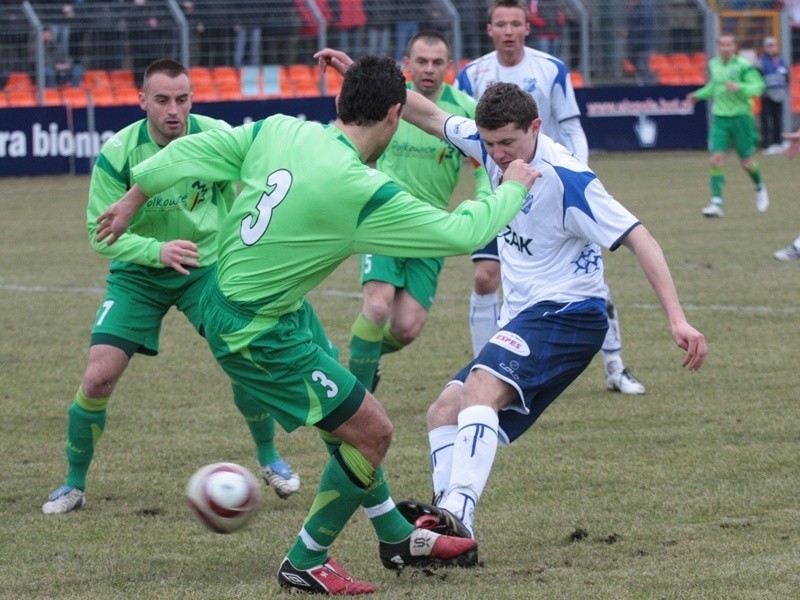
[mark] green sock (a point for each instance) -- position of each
(717, 182)
(755, 174)
(390, 343)
(85, 424)
(366, 339)
(261, 424)
(342, 488)
(389, 524)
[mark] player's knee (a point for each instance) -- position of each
(444, 411)
(98, 384)
(486, 279)
(406, 333)
(377, 310)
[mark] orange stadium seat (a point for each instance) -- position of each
(303, 89)
(18, 97)
(103, 96)
(18, 80)
(96, 78)
(127, 95)
(301, 72)
(576, 77)
(223, 74)
(75, 97)
(201, 76)
(229, 90)
(699, 59)
(122, 78)
(796, 103)
(52, 97)
(658, 62)
(3, 100)
(204, 92)
(333, 83)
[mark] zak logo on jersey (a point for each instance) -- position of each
(513, 239)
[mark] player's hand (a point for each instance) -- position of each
(328, 57)
(694, 342)
(179, 254)
(732, 86)
(519, 170)
(116, 219)
(691, 98)
(794, 143)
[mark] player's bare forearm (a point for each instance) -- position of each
(115, 220)
(651, 260)
(329, 57)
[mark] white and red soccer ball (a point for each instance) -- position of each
(224, 496)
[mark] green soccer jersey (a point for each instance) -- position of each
(192, 208)
(426, 165)
(731, 104)
(308, 203)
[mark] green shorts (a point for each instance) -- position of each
(138, 297)
(741, 130)
(418, 276)
(287, 364)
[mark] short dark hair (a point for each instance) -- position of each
(506, 4)
(504, 103)
(169, 67)
(372, 84)
(429, 37)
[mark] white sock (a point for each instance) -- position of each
(482, 319)
(441, 441)
(796, 243)
(473, 456)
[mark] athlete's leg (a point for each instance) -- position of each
(366, 334)
(483, 304)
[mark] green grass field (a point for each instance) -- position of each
(690, 491)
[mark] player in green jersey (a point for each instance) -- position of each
(732, 82)
(163, 261)
(398, 292)
(308, 203)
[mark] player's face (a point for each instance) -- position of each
(167, 102)
(509, 143)
(508, 29)
(427, 67)
(726, 47)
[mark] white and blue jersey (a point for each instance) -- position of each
(544, 77)
(551, 250)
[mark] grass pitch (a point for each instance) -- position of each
(690, 491)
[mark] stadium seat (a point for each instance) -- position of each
(18, 80)
(204, 92)
(670, 77)
(102, 96)
(699, 59)
(223, 74)
(229, 90)
(75, 97)
(52, 97)
(3, 100)
(658, 62)
(201, 76)
(796, 103)
(693, 75)
(122, 78)
(680, 61)
(301, 72)
(127, 95)
(96, 78)
(18, 97)
(628, 67)
(333, 83)
(576, 77)
(304, 89)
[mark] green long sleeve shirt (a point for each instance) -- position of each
(731, 104)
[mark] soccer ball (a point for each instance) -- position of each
(224, 496)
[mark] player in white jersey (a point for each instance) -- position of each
(554, 317)
(546, 79)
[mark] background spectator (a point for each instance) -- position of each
(378, 27)
(641, 39)
(547, 22)
(59, 68)
(776, 75)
